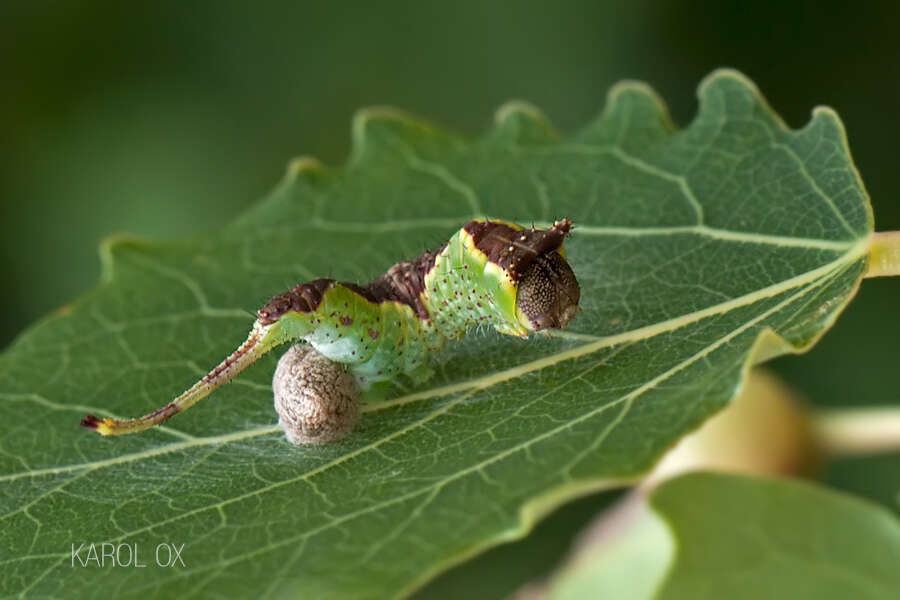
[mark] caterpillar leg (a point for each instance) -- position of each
(262, 338)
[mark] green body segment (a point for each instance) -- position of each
(464, 290)
(376, 340)
(380, 340)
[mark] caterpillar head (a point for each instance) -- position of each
(548, 293)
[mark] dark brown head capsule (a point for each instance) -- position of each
(548, 292)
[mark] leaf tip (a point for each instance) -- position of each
(521, 109)
(364, 117)
(727, 91)
(107, 249)
(637, 93)
(723, 76)
(630, 86)
(827, 116)
(304, 166)
(523, 122)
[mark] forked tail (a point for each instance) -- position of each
(261, 339)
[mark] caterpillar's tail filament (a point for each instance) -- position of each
(261, 339)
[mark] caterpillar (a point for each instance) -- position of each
(490, 272)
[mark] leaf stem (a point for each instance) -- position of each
(858, 431)
(884, 256)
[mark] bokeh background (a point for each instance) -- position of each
(167, 118)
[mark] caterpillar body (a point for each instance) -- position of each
(495, 273)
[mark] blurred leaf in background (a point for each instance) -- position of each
(750, 538)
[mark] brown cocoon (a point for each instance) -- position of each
(315, 398)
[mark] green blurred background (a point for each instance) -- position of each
(167, 118)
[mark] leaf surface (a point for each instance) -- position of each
(758, 538)
(690, 246)
(728, 536)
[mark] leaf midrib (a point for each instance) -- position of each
(728, 235)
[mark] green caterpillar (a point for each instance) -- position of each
(489, 273)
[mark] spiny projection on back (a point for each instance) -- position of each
(495, 273)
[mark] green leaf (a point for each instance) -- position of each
(729, 536)
(689, 246)
(625, 554)
(503, 570)
(759, 538)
